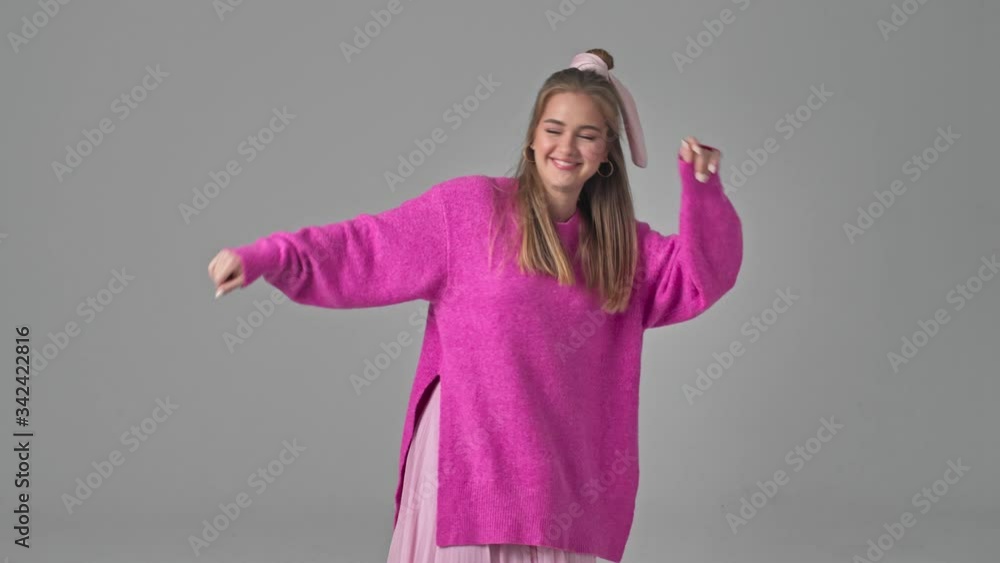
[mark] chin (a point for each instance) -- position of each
(562, 179)
(562, 182)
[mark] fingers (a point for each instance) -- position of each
(217, 261)
(228, 286)
(713, 161)
(226, 273)
(705, 158)
(220, 269)
(688, 146)
(211, 267)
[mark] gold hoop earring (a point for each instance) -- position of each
(524, 153)
(608, 175)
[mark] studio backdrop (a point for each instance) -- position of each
(838, 404)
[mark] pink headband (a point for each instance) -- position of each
(636, 142)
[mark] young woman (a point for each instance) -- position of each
(521, 435)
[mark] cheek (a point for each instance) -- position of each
(543, 145)
(593, 154)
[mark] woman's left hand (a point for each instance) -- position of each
(706, 158)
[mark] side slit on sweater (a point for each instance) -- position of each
(414, 535)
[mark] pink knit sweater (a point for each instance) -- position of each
(539, 387)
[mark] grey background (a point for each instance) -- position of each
(162, 336)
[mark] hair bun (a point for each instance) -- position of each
(605, 56)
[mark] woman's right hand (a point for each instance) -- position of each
(226, 271)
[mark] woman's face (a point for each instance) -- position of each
(569, 142)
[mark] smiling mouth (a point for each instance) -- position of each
(563, 164)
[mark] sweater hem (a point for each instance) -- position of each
(516, 517)
(449, 538)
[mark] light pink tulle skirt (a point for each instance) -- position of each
(413, 539)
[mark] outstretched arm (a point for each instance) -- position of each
(687, 272)
(371, 260)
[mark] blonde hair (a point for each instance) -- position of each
(608, 246)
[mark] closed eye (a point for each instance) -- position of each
(581, 136)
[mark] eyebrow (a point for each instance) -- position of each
(557, 122)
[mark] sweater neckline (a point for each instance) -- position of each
(569, 231)
(571, 222)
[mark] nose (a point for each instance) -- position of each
(567, 145)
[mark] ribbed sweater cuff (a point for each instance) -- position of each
(711, 188)
(259, 258)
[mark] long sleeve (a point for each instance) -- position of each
(371, 260)
(687, 272)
